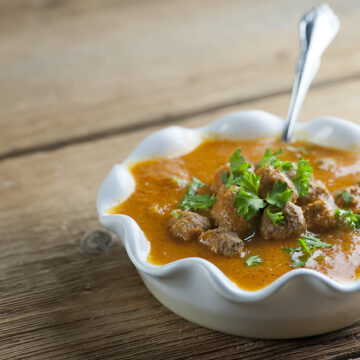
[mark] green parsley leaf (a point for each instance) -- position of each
(315, 243)
(346, 197)
(175, 214)
(277, 218)
(269, 158)
(224, 177)
(302, 177)
(194, 186)
(286, 166)
(304, 150)
(279, 194)
(250, 182)
(197, 202)
(308, 244)
(348, 217)
(247, 203)
(238, 165)
(253, 260)
(304, 247)
(179, 181)
(228, 181)
(300, 262)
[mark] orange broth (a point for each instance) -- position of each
(157, 195)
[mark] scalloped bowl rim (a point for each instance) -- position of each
(220, 282)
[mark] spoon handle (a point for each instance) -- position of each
(318, 28)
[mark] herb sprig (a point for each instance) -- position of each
(270, 158)
(302, 177)
(247, 200)
(279, 194)
(238, 165)
(348, 217)
(308, 244)
(253, 260)
(196, 202)
(277, 218)
(248, 203)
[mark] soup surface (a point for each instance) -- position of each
(157, 195)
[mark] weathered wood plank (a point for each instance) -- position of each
(70, 70)
(61, 299)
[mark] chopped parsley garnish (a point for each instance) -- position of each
(315, 243)
(346, 197)
(248, 204)
(194, 186)
(302, 177)
(348, 217)
(279, 194)
(195, 202)
(308, 244)
(175, 214)
(277, 218)
(269, 158)
(180, 182)
(247, 201)
(285, 166)
(238, 165)
(228, 181)
(253, 260)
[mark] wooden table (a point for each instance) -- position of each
(81, 83)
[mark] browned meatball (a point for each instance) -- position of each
(225, 214)
(353, 202)
(317, 191)
(319, 216)
(293, 226)
(189, 225)
(222, 241)
(269, 175)
(216, 185)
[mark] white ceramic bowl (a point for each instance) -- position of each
(302, 302)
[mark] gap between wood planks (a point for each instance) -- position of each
(164, 120)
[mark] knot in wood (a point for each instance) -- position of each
(96, 242)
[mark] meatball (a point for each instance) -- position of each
(320, 216)
(317, 191)
(188, 226)
(352, 201)
(222, 241)
(225, 214)
(293, 226)
(269, 175)
(216, 185)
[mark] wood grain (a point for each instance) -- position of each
(67, 293)
(79, 70)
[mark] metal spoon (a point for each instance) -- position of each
(318, 28)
